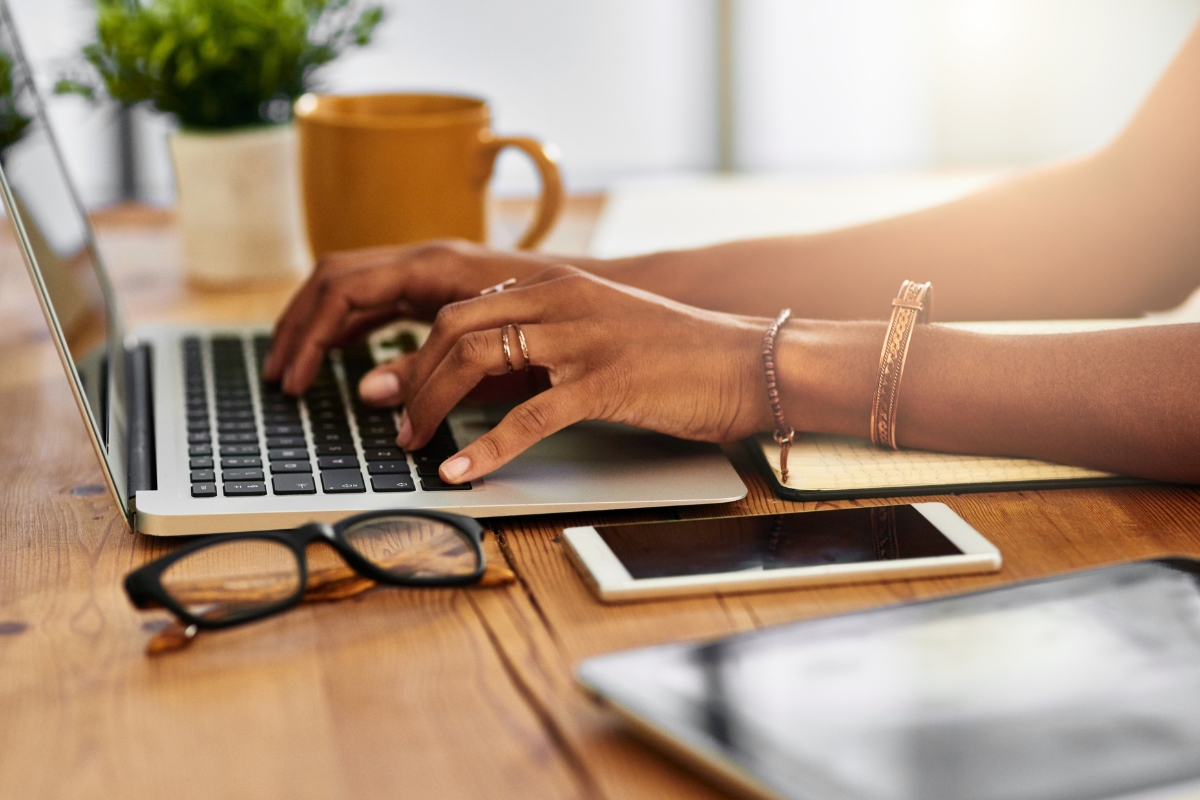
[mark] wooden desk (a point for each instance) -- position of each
(398, 693)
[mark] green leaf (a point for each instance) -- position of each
(218, 63)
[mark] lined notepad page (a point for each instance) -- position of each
(822, 462)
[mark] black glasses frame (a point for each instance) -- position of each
(145, 590)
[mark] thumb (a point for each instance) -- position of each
(383, 386)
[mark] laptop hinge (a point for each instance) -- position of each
(142, 471)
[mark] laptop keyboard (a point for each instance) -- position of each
(265, 442)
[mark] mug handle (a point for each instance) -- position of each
(545, 158)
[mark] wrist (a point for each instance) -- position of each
(826, 374)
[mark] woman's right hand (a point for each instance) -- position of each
(352, 292)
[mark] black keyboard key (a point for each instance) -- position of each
(331, 427)
(384, 454)
(199, 437)
(234, 425)
(329, 415)
(374, 418)
(393, 483)
(337, 462)
(249, 489)
(294, 483)
(203, 476)
(200, 450)
(387, 467)
(204, 490)
(378, 430)
(283, 430)
(378, 442)
(203, 462)
(431, 484)
(241, 462)
(339, 481)
(428, 469)
(324, 449)
(435, 456)
(274, 442)
(280, 467)
(281, 417)
(239, 450)
(198, 424)
(237, 438)
(288, 454)
(332, 438)
(240, 475)
(235, 414)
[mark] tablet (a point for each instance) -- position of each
(776, 551)
(1080, 687)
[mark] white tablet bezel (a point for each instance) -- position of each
(611, 582)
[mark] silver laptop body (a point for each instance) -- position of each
(190, 441)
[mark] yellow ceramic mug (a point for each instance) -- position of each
(398, 168)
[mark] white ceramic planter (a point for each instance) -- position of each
(239, 205)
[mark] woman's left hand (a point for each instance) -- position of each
(612, 353)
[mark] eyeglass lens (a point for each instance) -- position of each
(415, 547)
(233, 579)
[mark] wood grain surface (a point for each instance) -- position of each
(397, 693)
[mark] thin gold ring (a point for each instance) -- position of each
(507, 351)
(499, 287)
(524, 347)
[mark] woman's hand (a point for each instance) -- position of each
(611, 352)
(352, 292)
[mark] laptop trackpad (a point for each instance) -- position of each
(593, 455)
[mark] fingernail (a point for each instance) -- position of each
(379, 386)
(404, 436)
(455, 468)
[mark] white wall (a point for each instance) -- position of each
(896, 84)
(627, 86)
(619, 85)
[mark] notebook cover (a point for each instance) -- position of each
(868, 471)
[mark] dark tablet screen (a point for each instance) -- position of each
(740, 544)
(1086, 686)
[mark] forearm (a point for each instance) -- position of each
(1123, 401)
(1074, 241)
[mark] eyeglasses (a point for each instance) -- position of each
(231, 579)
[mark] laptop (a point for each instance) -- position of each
(191, 441)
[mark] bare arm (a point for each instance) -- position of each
(1125, 401)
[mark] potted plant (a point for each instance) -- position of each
(228, 70)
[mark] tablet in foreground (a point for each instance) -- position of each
(1081, 687)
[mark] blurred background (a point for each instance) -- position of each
(631, 88)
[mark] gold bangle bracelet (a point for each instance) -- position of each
(913, 304)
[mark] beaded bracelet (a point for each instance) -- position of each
(784, 435)
(913, 304)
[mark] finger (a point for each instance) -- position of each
(537, 303)
(521, 428)
(366, 320)
(382, 386)
(476, 355)
(340, 296)
(299, 308)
